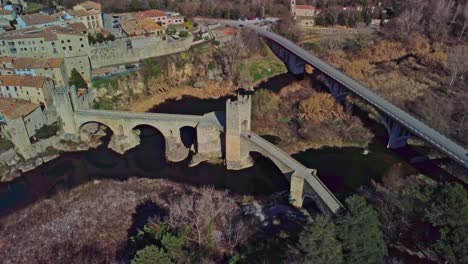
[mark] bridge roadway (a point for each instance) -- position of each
(295, 167)
(418, 128)
(140, 116)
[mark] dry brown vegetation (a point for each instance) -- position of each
(304, 118)
(426, 78)
(92, 223)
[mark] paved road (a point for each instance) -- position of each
(322, 191)
(442, 143)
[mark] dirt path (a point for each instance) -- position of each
(211, 90)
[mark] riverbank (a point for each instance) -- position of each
(210, 90)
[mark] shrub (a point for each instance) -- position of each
(320, 107)
(264, 102)
(183, 33)
(77, 80)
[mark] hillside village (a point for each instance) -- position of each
(59, 59)
(41, 52)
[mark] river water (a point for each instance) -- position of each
(343, 170)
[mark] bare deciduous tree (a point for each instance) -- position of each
(465, 20)
(439, 15)
(211, 218)
(458, 63)
(409, 21)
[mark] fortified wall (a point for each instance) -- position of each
(132, 49)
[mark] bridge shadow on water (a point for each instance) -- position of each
(147, 160)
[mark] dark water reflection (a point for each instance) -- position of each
(146, 160)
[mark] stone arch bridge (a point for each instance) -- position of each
(218, 134)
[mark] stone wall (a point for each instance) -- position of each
(133, 49)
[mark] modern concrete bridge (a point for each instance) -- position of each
(399, 124)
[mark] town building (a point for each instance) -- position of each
(34, 89)
(20, 120)
(161, 17)
(69, 42)
(131, 26)
(53, 68)
(304, 15)
(89, 13)
(40, 20)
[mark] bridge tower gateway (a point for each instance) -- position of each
(238, 114)
(65, 108)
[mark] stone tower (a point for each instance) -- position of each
(292, 7)
(63, 101)
(238, 115)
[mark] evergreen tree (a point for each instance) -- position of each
(152, 255)
(453, 245)
(361, 234)
(100, 37)
(91, 39)
(318, 243)
(76, 79)
(448, 206)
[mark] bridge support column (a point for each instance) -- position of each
(336, 89)
(398, 135)
(175, 149)
(296, 196)
(294, 63)
(209, 144)
(123, 143)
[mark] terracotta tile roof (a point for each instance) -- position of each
(33, 63)
(14, 109)
(27, 81)
(151, 13)
(38, 18)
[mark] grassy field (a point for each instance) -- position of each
(260, 69)
(33, 8)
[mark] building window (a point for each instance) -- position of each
(70, 48)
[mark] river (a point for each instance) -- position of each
(343, 170)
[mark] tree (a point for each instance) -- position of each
(76, 79)
(448, 206)
(439, 17)
(409, 21)
(211, 219)
(100, 37)
(453, 245)
(91, 39)
(361, 234)
(135, 5)
(318, 243)
(183, 33)
(152, 255)
(465, 21)
(110, 37)
(457, 63)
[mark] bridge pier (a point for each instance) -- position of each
(175, 149)
(398, 135)
(336, 89)
(296, 193)
(294, 63)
